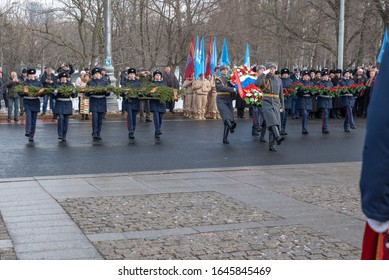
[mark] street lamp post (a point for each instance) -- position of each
(341, 35)
(111, 100)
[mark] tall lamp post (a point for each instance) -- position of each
(111, 100)
(341, 35)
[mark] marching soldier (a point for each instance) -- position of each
(225, 92)
(272, 104)
(347, 100)
(31, 104)
(131, 105)
(324, 102)
(296, 77)
(304, 101)
(258, 119)
(336, 100)
(63, 106)
(158, 108)
(97, 103)
(286, 82)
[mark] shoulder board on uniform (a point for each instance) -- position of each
(220, 80)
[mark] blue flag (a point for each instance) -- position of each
(374, 182)
(224, 60)
(199, 59)
(213, 56)
(246, 61)
(383, 46)
(196, 59)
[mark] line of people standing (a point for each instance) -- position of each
(306, 105)
(200, 97)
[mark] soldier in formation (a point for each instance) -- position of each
(158, 108)
(272, 104)
(97, 103)
(347, 100)
(63, 106)
(31, 103)
(225, 93)
(304, 101)
(131, 105)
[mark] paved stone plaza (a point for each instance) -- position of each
(299, 211)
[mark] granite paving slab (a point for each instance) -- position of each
(294, 242)
(159, 211)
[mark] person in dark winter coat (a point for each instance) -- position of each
(286, 82)
(347, 100)
(374, 181)
(63, 107)
(324, 102)
(13, 96)
(171, 81)
(225, 91)
(131, 105)
(369, 89)
(272, 104)
(97, 103)
(31, 104)
(304, 101)
(158, 108)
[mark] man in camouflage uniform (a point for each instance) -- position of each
(201, 88)
(188, 102)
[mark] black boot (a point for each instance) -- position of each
(131, 135)
(31, 137)
(272, 141)
(225, 135)
(277, 135)
(263, 133)
(254, 132)
(231, 125)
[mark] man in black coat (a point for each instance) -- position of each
(171, 81)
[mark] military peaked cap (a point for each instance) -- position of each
(63, 74)
(96, 70)
(305, 72)
(346, 70)
(131, 70)
(31, 71)
(284, 71)
(157, 72)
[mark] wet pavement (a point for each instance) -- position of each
(184, 144)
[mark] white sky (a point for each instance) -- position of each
(4, 3)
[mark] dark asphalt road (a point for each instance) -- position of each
(184, 144)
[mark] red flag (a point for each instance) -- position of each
(374, 245)
(189, 67)
(240, 89)
(208, 70)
